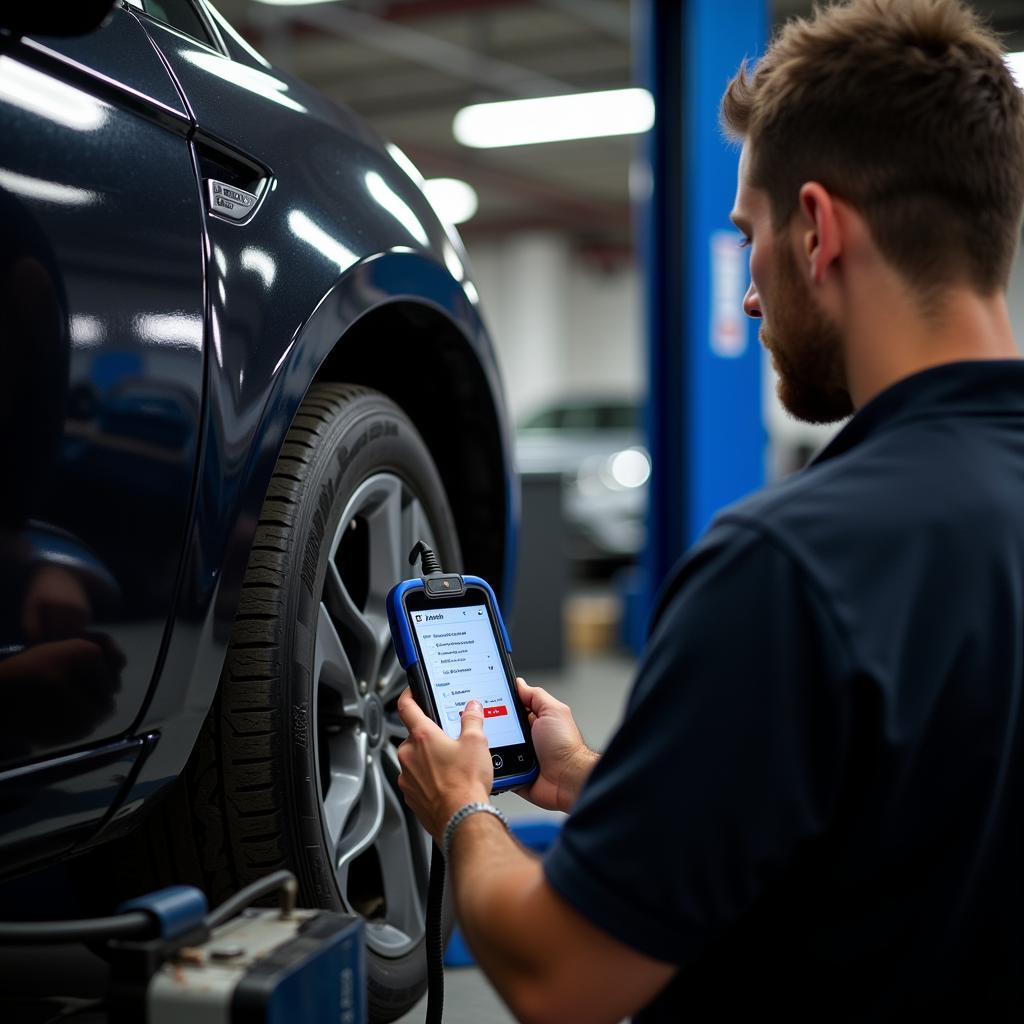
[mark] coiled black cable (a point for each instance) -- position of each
(435, 938)
(428, 560)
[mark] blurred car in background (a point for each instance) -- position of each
(597, 444)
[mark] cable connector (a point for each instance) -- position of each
(436, 582)
(428, 560)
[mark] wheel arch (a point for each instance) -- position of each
(400, 323)
(442, 387)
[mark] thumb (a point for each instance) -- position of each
(473, 718)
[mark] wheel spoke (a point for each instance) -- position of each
(347, 752)
(402, 867)
(388, 562)
(392, 680)
(331, 666)
(365, 825)
(344, 611)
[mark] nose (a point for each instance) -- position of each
(752, 303)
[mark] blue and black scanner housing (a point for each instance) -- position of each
(441, 597)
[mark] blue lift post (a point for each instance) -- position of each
(704, 417)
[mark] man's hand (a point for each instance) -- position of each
(565, 760)
(439, 774)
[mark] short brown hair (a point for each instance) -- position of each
(906, 109)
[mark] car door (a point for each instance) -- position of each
(101, 349)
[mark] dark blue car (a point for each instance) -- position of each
(242, 370)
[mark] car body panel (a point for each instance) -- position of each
(230, 498)
(102, 346)
(342, 240)
(47, 806)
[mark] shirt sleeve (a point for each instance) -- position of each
(729, 759)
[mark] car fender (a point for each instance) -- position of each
(232, 484)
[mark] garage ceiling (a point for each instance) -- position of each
(408, 65)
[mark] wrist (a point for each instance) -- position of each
(452, 803)
(575, 774)
(457, 822)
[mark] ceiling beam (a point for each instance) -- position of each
(611, 18)
(419, 48)
(415, 10)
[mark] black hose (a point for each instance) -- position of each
(133, 925)
(263, 887)
(136, 923)
(435, 939)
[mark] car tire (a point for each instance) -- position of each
(296, 765)
(305, 731)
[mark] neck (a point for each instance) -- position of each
(890, 335)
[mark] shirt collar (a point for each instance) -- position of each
(952, 389)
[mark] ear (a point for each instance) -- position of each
(820, 230)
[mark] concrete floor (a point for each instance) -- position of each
(596, 689)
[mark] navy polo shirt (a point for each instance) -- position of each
(814, 803)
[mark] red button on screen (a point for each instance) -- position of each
(495, 711)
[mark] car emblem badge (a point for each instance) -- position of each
(231, 203)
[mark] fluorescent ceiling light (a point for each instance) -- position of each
(584, 115)
(1015, 62)
(455, 201)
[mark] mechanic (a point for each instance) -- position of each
(813, 805)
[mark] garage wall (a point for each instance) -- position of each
(606, 349)
(561, 325)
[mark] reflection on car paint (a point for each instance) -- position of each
(260, 263)
(314, 235)
(101, 345)
(47, 191)
(58, 102)
(391, 201)
(252, 79)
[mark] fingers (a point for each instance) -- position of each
(473, 719)
(409, 711)
(526, 693)
(536, 699)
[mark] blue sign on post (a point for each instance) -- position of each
(705, 423)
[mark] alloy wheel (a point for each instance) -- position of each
(379, 852)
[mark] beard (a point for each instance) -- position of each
(806, 348)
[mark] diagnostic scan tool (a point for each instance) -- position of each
(453, 645)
